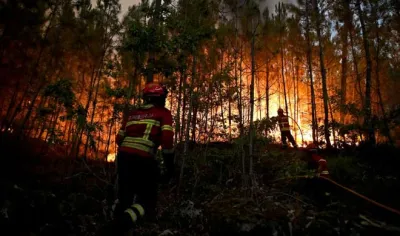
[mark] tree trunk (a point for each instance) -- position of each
(81, 127)
(219, 87)
(194, 119)
(94, 104)
(229, 112)
(11, 104)
(109, 136)
(151, 60)
(310, 71)
(323, 76)
(251, 131)
(186, 146)
(183, 123)
(209, 100)
(378, 85)
(294, 96)
(187, 131)
(367, 107)
(345, 46)
(240, 101)
(30, 108)
(298, 95)
(283, 79)
(267, 89)
(178, 112)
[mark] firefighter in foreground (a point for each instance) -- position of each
(319, 187)
(316, 161)
(142, 132)
(284, 126)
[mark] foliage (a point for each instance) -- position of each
(61, 91)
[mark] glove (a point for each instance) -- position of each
(169, 165)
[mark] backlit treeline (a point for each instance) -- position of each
(70, 69)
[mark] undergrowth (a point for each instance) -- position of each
(60, 196)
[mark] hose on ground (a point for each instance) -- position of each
(397, 212)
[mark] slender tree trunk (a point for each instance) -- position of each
(181, 136)
(94, 104)
(294, 96)
(57, 115)
(194, 119)
(282, 58)
(298, 95)
(109, 136)
(81, 127)
(378, 85)
(32, 123)
(252, 131)
(11, 104)
(343, 81)
(267, 89)
(240, 101)
(186, 146)
(151, 60)
(132, 81)
(30, 108)
(69, 131)
(310, 71)
(350, 26)
(209, 100)
(323, 76)
(283, 79)
(229, 112)
(333, 125)
(367, 107)
(219, 87)
(178, 112)
(193, 80)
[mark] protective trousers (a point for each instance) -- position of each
(137, 176)
(287, 135)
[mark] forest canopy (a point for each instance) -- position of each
(69, 68)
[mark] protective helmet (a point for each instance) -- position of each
(280, 110)
(154, 90)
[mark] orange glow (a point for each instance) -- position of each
(111, 157)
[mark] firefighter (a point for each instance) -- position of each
(320, 188)
(283, 122)
(142, 132)
(319, 163)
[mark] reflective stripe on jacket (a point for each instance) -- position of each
(283, 122)
(145, 129)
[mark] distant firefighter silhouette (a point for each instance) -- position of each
(284, 126)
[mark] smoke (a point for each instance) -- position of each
(125, 4)
(272, 3)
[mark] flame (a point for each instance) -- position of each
(111, 157)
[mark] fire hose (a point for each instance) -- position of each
(397, 212)
(341, 186)
(301, 132)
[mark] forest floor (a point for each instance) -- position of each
(44, 193)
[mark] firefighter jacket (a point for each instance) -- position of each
(145, 129)
(283, 122)
(322, 165)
